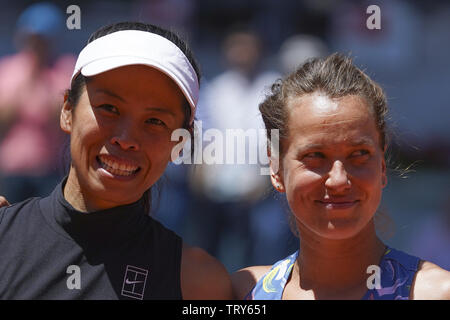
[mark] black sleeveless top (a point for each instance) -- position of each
(49, 250)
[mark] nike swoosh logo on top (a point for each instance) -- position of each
(132, 282)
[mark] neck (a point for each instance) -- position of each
(331, 266)
(88, 200)
(80, 199)
(73, 194)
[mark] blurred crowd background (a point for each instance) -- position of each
(243, 46)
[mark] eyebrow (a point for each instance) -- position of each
(362, 141)
(111, 94)
(161, 109)
(359, 142)
(156, 109)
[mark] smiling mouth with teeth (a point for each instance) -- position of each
(115, 168)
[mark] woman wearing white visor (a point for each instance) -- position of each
(92, 238)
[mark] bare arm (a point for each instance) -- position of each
(431, 283)
(203, 276)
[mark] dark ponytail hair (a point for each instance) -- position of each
(77, 85)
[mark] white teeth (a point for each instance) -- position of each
(116, 171)
(116, 168)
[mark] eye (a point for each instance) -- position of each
(109, 108)
(360, 153)
(314, 155)
(156, 121)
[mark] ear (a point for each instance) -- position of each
(277, 181)
(275, 173)
(65, 119)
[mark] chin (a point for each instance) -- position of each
(342, 229)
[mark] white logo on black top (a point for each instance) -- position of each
(134, 282)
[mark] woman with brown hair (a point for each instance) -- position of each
(331, 164)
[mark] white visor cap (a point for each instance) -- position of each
(129, 47)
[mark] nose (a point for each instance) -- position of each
(125, 137)
(337, 178)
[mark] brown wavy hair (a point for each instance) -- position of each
(336, 76)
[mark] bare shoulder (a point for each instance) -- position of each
(203, 276)
(431, 283)
(245, 279)
(3, 202)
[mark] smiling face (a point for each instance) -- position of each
(120, 134)
(332, 167)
